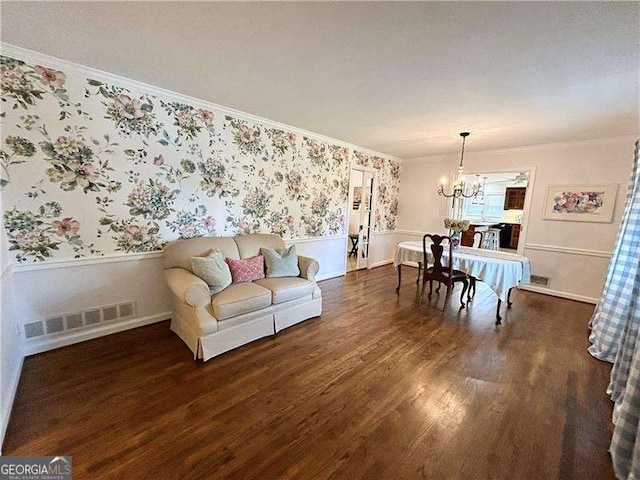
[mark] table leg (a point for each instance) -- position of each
(399, 279)
(498, 317)
(509, 303)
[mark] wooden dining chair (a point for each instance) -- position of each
(492, 239)
(477, 243)
(441, 273)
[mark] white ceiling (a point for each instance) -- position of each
(400, 78)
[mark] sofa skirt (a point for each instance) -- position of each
(240, 331)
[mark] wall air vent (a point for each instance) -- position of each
(80, 320)
(538, 280)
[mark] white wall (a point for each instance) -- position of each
(574, 255)
(11, 352)
(384, 247)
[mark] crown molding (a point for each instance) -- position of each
(32, 56)
(530, 148)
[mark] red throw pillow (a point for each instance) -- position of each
(246, 270)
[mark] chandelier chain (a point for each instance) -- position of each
(459, 187)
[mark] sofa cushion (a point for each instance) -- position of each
(213, 270)
(281, 262)
(239, 298)
(286, 288)
(246, 270)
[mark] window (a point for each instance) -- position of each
(492, 207)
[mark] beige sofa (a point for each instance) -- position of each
(242, 312)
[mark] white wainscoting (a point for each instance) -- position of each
(574, 273)
(330, 253)
(384, 247)
(49, 289)
(11, 351)
(9, 390)
(34, 346)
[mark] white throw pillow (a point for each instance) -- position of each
(213, 270)
(281, 262)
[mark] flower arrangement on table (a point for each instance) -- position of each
(456, 225)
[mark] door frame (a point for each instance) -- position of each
(524, 225)
(374, 202)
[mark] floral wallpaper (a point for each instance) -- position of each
(89, 168)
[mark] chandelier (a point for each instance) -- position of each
(459, 187)
(480, 198)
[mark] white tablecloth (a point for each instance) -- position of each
(501, 271)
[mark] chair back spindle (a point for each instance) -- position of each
(492, 239)
(478, 243)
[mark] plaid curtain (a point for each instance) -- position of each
(615, 327)
(613, 312)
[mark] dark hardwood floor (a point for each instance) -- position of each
(377, 388)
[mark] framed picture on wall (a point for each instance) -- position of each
(580, 203)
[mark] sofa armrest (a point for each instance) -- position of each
(308, 268)
(189, 288)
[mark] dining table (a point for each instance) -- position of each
(501, 271)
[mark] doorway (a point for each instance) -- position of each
(501, 207)
(360, 217)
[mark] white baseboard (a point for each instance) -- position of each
(327, 276)
(43, 345)
(381, 263)
(557, 293)
(11, 393)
